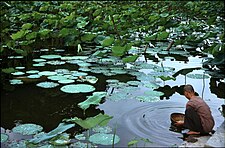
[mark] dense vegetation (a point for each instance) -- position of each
(119, 25)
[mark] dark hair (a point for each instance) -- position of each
(189, 88)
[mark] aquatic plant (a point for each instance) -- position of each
(27, 129)
(77, 88)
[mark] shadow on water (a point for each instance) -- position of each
(28, 103)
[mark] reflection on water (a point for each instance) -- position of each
(47, 107)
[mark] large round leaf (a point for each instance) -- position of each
(27, 129)
(77, 88)
(104, 139)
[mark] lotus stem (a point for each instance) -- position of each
(114, 134)
(203, 84)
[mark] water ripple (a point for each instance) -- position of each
(152, 121)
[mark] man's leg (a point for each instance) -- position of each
(192, 120)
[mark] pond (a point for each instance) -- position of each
(140, 96)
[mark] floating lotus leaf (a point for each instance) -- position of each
(148, 98)
(134, 83)
(91, 79)
(62, 71)
(19, 67)
(18, 73)
(32, 71)
(57, 78)
(59, 50)
(15, 57)
(39, 60)
(84, 69)
(50, 56)
(197, 76)
(39, 64)
(102, 129)
(118, 71)
(62, 139)
(151, 85)
(112, 81)
(56, 62)
(27, 129)
(80, 137)
(44, 49)
(77, 88)
(83, 64)
(104, 139)
(47, 73)
(62, 127)
(4, 137)
(164, 69)
(74, 61)
(109, 74)
(15, 81)
(90, 122)
(94, 99)
(66, 81)
(18, 144)
(34, 76)
(78, 74)
(154, 93)
(81, 145)
(47, 84)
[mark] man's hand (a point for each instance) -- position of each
(179, 123)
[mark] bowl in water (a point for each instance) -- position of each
(175, 117)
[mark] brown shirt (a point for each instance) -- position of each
(203, 111)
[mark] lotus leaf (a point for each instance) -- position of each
(50, 56)
(27, 129)
(104, 139)
(56, 62)
(19, 67)
(84, 69)
(91, 79)
(151, 85)
(15, 57)
(18, 144)
(62, 127)
(4, 137)
(66, 81)
(62, 139)
(47, 73)
(134, 83)
(15, 81)
(112, 81)
(148, 98)
(79, 73)
(18, 73)
(32, 71)
(47, 84)
(84, 64)
(62, 71)
(154, 93)
(59, 50)
(57, 78)
(117, 71)
(34, 76)
(90, 122)
(9, 70)
(197, 76)
(39, 64)
(80, 137)
(77, 88)
(39, 60)
(81, 145)
(102, 129)
(94, 99)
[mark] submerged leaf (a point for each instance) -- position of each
(4, 137)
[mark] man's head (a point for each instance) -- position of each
(188, 91)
